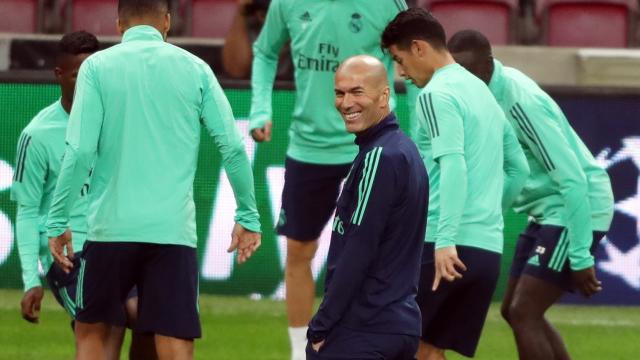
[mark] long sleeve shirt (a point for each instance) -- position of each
(138, 111)
(566, 186)
(462, 135)
(377, 239)
(322, 34)
(38, 158)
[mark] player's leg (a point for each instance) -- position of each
(524, 247)
(168, 299)
(65, 289)
(300, 292)
(508, 297)
(142, 345)
(299, 282)
(172, 348)
(458, 309)
(430, 303)
(92, 340)
(545, 277)
(308, 200)
(534, 335)
(105, 274)
(113, 343)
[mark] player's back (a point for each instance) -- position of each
(152, 97)
(541, 196)
(453, 92)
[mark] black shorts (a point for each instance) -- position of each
(542, 252)
(166, 277)
(64, 286)
(308, 198)
(343, 343)
(453, 315)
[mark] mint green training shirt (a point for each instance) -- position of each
(138, 111)
(323, 33)
(566, 186)
(460, 123)
(38, 155)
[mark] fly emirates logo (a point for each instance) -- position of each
(325, 59)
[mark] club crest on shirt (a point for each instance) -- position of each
(355, 25)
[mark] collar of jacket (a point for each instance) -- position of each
(387, 124)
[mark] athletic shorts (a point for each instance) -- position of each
(166, 277)
(542, 251)
(64, 286)
(453, 315)
(308, 198)
(343, 343)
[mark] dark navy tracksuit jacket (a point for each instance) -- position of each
(373, 265)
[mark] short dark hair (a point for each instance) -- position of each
(129, 8)
(470, 40)
(414, 24)
(79, 42)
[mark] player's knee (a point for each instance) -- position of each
(517, 315)
(301, 253)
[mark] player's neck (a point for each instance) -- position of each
(66, 104)
(442, 59)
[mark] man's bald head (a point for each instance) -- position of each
(362, 92)
(369, 67)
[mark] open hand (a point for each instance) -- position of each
(447, 265)
(246, 242)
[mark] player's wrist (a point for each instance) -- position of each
(444, 243)
(582, 263)
(32, 285)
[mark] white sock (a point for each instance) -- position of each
(298, 340)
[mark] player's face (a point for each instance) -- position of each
(359, 101)
(410, 65)
(67, 73)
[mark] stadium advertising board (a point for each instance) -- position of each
(262, 276)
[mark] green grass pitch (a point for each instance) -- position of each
(237, 328)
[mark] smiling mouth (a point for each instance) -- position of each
(352, 116)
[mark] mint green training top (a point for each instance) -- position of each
(138, 111)
(466, 144)
(566, 186)
(323, 33)
(38, 156)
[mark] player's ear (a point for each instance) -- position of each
(415, 47)
(386, 95)
(120, 26)
(167, 25)
(57, 71)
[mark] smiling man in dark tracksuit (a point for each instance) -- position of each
(369, 308)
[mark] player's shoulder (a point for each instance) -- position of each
(187, 58)
(50, 117)
(397, 149)
(523, 89)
